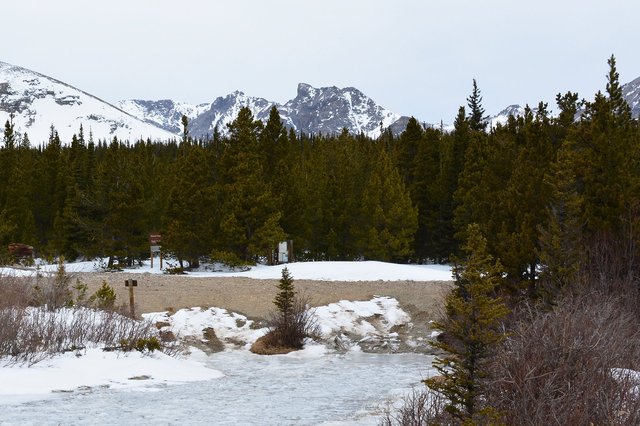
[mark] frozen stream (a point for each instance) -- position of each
(256, 390)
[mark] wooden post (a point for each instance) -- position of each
(152, 259)
(131, 284)
(132, 303)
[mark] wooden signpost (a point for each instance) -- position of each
(131, 284)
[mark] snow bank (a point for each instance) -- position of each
(359, 317)
(229, 327)
(344, 324)
(323, 271)
(351, 271)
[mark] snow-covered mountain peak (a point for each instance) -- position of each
(515, 109)
(330, 109)
(38, 102)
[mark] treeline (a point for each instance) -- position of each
(231, 199)
(536, 187)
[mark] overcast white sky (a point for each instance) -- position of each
(415, 57)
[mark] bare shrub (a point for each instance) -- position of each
(33, 334)
(418, 408)
(11, 320)
(14, 291)
(557, 367)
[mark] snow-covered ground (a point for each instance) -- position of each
(331, 381)
(325, 271)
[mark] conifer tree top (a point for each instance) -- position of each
(477, 119)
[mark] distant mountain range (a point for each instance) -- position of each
(38, 102)
(314, 110)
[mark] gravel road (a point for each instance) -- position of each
(254, 297)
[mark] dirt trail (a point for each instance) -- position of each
(254, 298)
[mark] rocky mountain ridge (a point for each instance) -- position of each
(314, 110)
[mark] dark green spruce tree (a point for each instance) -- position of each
(472, 327)
(389, 220)
(477, 119)
(250, 219)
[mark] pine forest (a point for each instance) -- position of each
(540, 188)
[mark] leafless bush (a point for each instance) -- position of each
(611, 264)
(11, 320)
(557, 367)
(33, 334)
(14, 291)
(418, 408)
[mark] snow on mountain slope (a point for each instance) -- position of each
(38, 102)
(631, 93)
(165, 113)
(503, 116)
(223, 110)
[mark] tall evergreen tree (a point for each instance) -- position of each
(389, 221)
(472, 327)
(477, 119)
(185, 128)
(249, 225)
(407, 150)
(619, 106)
(117, 219)
(9, 133)
(426, 194)
(285, 298)
(190, 213)
(525, 198)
